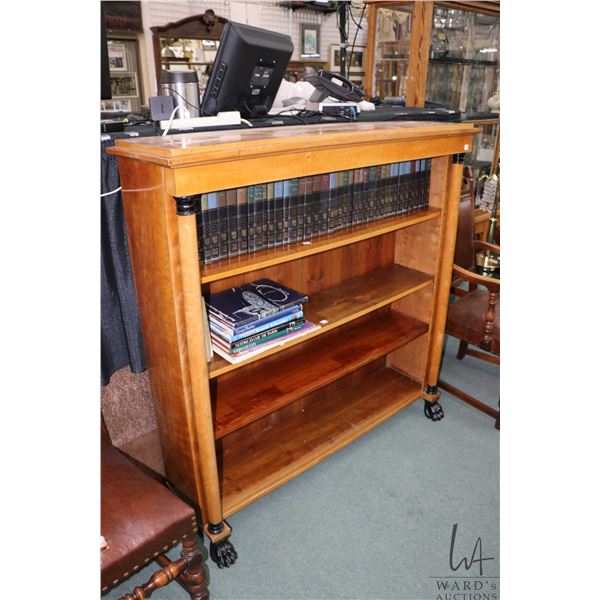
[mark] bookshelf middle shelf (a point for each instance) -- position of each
(241, 398)
(341, 304)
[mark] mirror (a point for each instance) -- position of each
(190, 43)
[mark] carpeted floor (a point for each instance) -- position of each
(375, 520)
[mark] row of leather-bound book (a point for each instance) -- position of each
(266, 215)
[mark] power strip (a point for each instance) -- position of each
(231, 117)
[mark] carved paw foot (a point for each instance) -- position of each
(433, 411)
(223, 553)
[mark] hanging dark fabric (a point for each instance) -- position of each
(121, 335)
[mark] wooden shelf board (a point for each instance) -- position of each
(341, 304)
(247, 395)
(274, 256)
(272, 457)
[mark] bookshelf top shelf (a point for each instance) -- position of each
(191, 149)
(245, 263)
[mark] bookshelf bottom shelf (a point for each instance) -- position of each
(265, 460)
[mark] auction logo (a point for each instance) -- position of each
(474, 584)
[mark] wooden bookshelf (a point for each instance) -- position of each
(229, 434)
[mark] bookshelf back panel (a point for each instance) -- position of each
(320, 271)
(417, 247)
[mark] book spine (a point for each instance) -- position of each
(270, 209)
(250, 218)
(293, 212)
(233, 246)
(259, 212)
(308, 209)
(213, 220)
(427, 182)
(242, 219)
(284, 232)
(332, 206)
(300, 208)
(421, 182)
(414, 186)
(206, 249)
(223, 233)
(358, 199)
(266, 335)
(316, 205)
(403, 184)
(372, 209)
(346, 200)
(263, 337)
(266, 215)
(278, 213)
(324, 215)
(231, 337)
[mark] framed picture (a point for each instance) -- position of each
(116, 57)
(124, 85)
(310, 35)
(355, 63)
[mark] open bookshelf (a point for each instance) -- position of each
(230, 433)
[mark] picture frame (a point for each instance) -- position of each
(310, 37)
(355, 65)
(124, 85)
(117, 59)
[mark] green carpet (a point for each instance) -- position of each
(375, 520)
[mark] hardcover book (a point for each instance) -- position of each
(271, 212)
(250, 219)
(242, 219)
(232, 223)
(278, 214)
(223, 233)
(252, 301)
(292, 235)
(213, 220)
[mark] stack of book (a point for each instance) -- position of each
(249, 319)
(266, 215)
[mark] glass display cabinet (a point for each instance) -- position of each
(464, 59)
(443, 52)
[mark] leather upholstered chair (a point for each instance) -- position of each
(474, 318)
(140, 520)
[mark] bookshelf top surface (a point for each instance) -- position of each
(186, 149)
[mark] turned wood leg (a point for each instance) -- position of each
(462, 349)
(194, 579)
(158, 579)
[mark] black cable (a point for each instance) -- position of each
(182, 97)
(358, 26)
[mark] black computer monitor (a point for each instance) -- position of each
(247, 71)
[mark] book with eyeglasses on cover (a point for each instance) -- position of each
(254, 317)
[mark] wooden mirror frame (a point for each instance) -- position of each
(207, 26)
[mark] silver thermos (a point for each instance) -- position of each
(183, 86)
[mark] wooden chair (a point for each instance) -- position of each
(140, 520)
(475, 317)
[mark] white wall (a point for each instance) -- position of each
(261, 13)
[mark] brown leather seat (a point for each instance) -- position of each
(140, 520)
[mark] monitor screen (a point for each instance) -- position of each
(247, 71)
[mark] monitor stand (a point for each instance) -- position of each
(224, 118)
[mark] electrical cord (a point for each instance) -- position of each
(171, 120)
(109, 193)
